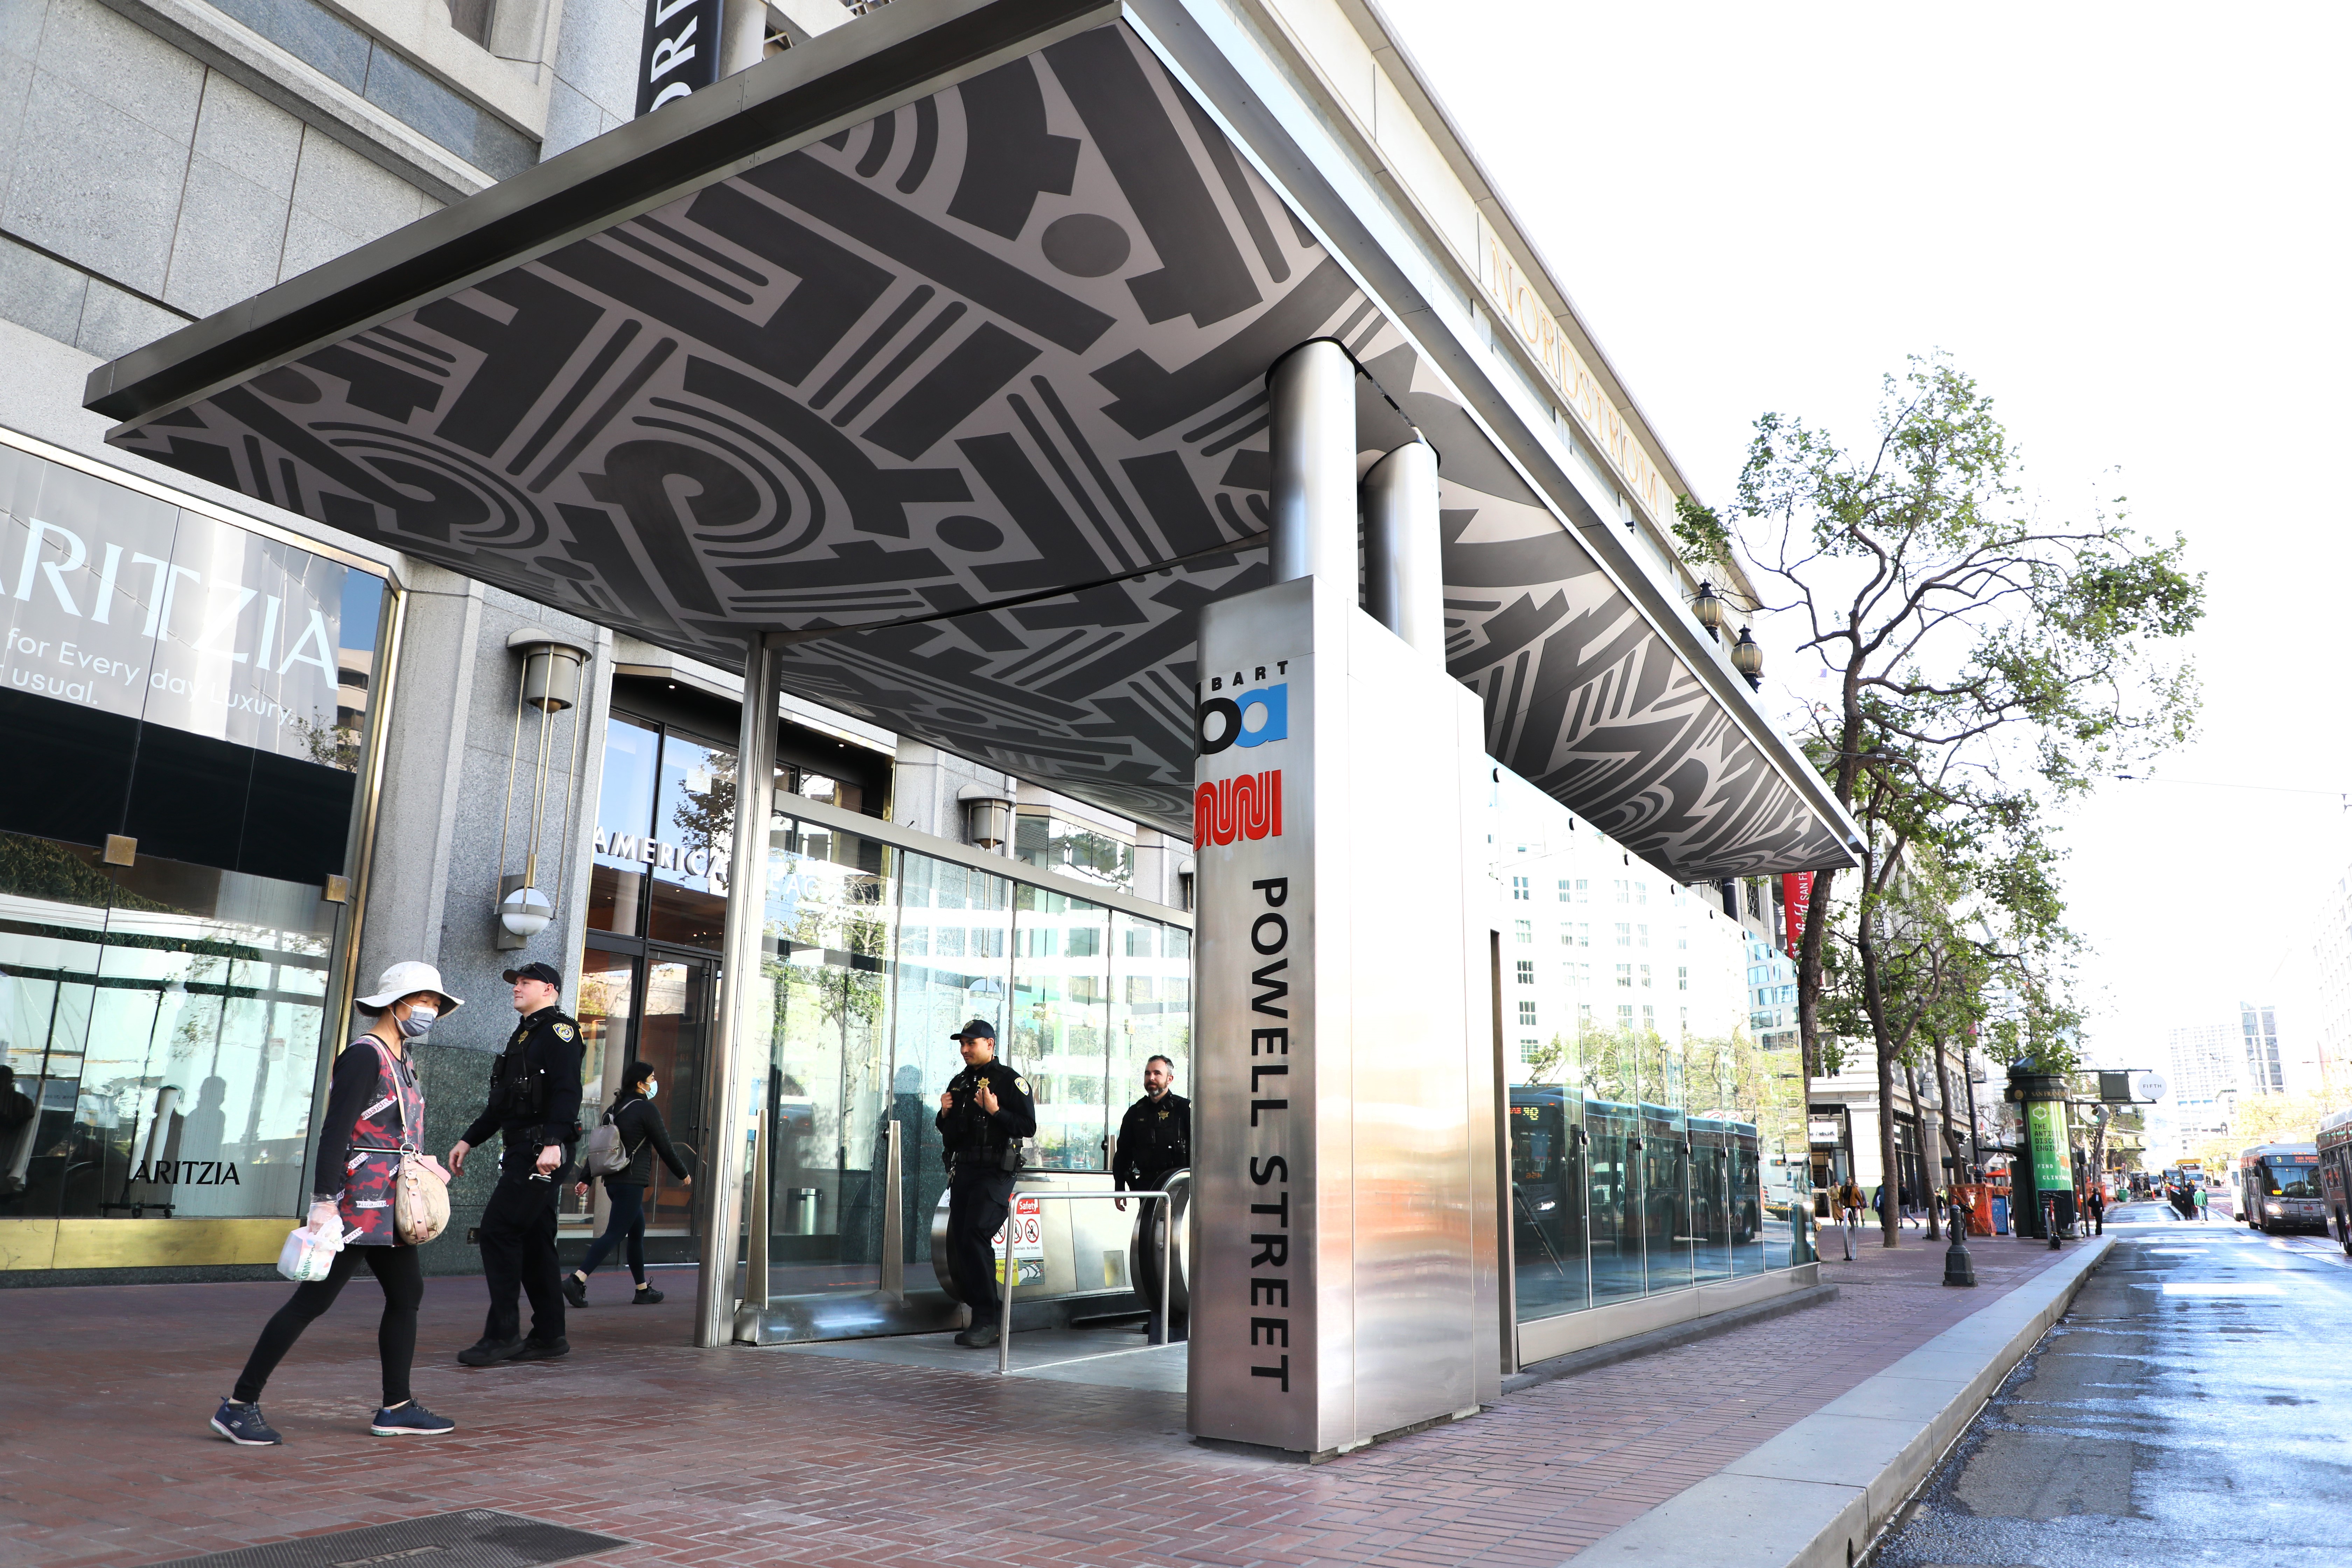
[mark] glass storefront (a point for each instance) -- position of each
(1644, 1157)
(876, 955)
(186, 702)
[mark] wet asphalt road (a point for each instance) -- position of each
(2191, 1408)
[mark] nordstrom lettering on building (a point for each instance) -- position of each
(680, 51)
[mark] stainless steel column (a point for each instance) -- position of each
(1404, 582)
(894, 1224)
(743, 1012)
(1312, 390)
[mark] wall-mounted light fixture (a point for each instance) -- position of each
(553, 670)
(1707, 610)
(987, 816)
(1747, 658)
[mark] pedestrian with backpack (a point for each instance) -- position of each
(621, 1149)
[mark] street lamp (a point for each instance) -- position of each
(1747, 658)
(1708, 609)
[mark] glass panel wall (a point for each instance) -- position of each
(204, 691)
(877, 956)
(1654, 1145)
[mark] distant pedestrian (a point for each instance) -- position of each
(375, 1111)
(642, 1137)
(2098, 1212)
(2203, 1199)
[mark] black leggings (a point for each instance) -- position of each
(403, 1278)
(628, 1221)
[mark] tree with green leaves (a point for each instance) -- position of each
(1978, 663)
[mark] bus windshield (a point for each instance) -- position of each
(2292, 1179)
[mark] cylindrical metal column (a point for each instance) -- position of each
(739, 1042)
(1405, 583)
(1312, 390)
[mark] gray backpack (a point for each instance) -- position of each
(605, 1154)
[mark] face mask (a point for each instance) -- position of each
(418, 1023)
(653, 1087)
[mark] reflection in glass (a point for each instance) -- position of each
(955, 963)
(161, 1022)
(1613, 1168)
(1150, 1007)
(1082, 849)
(1548, 1194)
(607, 984)
(1061, 1000)
(1665, 1166)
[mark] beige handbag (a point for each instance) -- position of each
(420, 1193)
(420, 1199)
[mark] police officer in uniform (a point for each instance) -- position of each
(1155, 1141)
(534, 1106)
(1155, 1136)
(983, 1116)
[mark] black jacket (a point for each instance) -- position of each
(971, 1132)
(642, 1131)
(1155, 1137)
(548, 1043)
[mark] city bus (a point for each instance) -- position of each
(2335, 1146)
(2278, 1187)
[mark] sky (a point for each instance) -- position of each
(2127, 223)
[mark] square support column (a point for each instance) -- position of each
(739, 1042)
(1345, 1281)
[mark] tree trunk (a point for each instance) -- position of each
(1809, 984)
(1874, 998)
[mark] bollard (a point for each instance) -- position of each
(1960, 1269)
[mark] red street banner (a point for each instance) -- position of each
(1797, 895)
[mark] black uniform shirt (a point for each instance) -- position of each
(968, 1130)
(1155, 1137)
(548, 1039)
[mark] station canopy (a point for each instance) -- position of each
(960, 344)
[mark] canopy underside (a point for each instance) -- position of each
(1006, 339)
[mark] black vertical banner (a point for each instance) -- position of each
(680, 51)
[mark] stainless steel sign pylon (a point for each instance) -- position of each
(1343, 1151)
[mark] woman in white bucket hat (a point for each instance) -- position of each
(375, 1109)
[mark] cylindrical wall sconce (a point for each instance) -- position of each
(552, 677)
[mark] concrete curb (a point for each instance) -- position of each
(1794, 1501)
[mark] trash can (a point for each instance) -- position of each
(802, 1211)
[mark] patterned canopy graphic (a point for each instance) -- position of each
(986, 374)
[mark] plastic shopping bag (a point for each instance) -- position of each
(308, 1254)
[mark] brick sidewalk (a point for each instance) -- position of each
(747, 1456)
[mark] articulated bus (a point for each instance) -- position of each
(2278, 1187)
(2335, 1148)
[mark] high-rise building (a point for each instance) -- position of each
(2204, 1081)
(2264, 1074)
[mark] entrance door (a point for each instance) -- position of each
(674, 1037)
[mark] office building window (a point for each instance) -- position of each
(1625, 975)
(1526, 972)
(1682, 978)
(1625, 1018)
(1584, 1014)
(1563, 889)
(1641, 893)
(1641, 936)
(1524, 930)
(1519, 889)
(1527, 1015)
(1650, 1019)
(1645, 977)
(1625, 891)
(1624, 933)
(1529, 1047)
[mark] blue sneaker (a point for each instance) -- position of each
(243, 1424)
(410, 1420)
